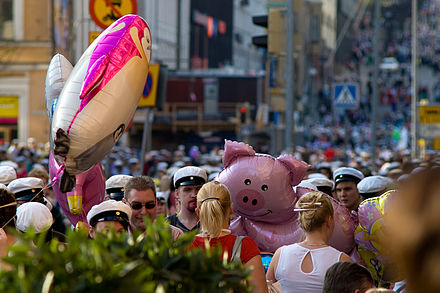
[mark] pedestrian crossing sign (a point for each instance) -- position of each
(345, 96)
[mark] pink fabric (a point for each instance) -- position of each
(90, 184)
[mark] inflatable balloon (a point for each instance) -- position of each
(90, 185)
(345, 224)
(263, 197)
(100, 96)
(370, 235)
(89, 191)
(56, 76)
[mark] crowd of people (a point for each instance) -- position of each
(181, 187)
(393, 85)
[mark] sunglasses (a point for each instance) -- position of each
(148, 205)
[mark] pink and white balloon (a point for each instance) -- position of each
(92, 104)
(100, 96)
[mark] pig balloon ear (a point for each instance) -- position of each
(234, 149)
(297, 168)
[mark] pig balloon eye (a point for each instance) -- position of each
(247, 181)
(264, 187)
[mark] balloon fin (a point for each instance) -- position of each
(94, 76)
(67, 182)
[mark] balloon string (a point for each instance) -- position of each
(60, 168)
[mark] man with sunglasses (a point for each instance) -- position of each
(187, 181)
(140, 195)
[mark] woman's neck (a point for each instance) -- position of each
(317, 237)
(224, 231)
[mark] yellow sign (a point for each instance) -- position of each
(8, 107)
(429, 114)
(436, 144)
(93, 36)
(150, 91)
(105, 12)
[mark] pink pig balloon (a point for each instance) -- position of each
(90, 187)
(262, 194)
(263, 197)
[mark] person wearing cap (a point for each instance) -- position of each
(29, 189)
(22, 166)
(9, 163)
(7, 174)
(162, 203)
(134, 169)
(187, 181)
(161, 169)
(50, 199)
(45, 163)
(321, 183)
(114, 187)
(8, 208)
(373, 186)
(109, 214)
(43, 175)
(118, 168)
(37, 216)
(394, 174)
(325, 168)
(346, 180)
(33, 215)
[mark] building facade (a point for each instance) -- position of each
(29, 36)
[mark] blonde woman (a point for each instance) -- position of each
(214, 208)
(301, 267)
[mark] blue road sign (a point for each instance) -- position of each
(345, 96)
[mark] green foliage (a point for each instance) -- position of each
(119, 263)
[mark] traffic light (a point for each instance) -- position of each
(276, 31)
(243, 115)
(261, 40)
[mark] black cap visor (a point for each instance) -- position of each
(118, 196)
(346, 177)
(190, 180)
(27, 195)
(115, 193)
(117, 216)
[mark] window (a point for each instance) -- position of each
(314, 29)
(6, 20)
(295, 22)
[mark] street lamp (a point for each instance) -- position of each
(414, 125)
(375, 79)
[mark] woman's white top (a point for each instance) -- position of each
(293, 279)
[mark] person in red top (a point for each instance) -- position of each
(214, 208)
